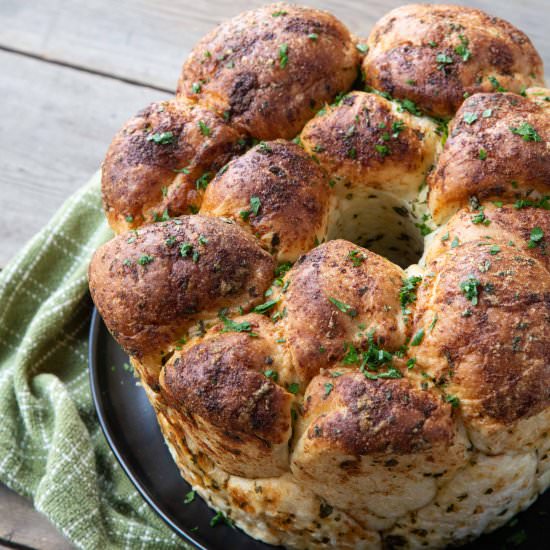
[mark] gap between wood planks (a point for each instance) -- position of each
(80, 68)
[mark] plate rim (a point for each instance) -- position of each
(95, 389)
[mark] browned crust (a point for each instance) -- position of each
(293, 191)
(494, 356)
(222, 380)
(241, 73)
(504, 224)
(140, 181)
(147, 304)
(404, 45)
(317, 331)
(365, 417)
(356, 137)
(513, 165)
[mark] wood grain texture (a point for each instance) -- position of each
(57, 125)
(148, 40)
(21, 523)
(64, 96)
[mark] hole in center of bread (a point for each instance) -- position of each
(381, 222)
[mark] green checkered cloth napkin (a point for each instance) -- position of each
(52, 449)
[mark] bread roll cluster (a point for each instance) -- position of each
(332, 274)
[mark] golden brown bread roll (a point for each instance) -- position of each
(488, 132)
(367, 141)
(338, 296)
(483, 319)
(219, 386)
(437, 55)
(268, 70)
(380, 445)
(342, 401)
(152, 284)
(161, 161)
(278, 193)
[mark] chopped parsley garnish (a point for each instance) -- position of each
(181, 170)
(279, 13)
(203, 181)
(411, 362)
(535, 239)
(313, 36)
(494, 250)
(129, 219)
(462, 48)
(220, 517)
(352, 153)
(189, 497)
(496, 84)
(469, 288)
(266, 306)
(356, 257)
(487, 113)
(255, 205)
(196, 87)
(542, 203)
(384, 150)
(482, 154)
(526, 131)
(443, 59)
(417, 338)
(186, 249)
(272, 374)
(363, 48)
(164, 217)
(344, 308)
(145, 259)
(204, 128)
(328, 388)
(453, 400)
(293, 388)
(232, 326)
(455, 242)
(283, 55)
(170, 241)
(264, 148)
(397, 127)
(162, 138)
(480, 218)
(410, 106)
(432, 44)
(407, 294)
(469, 118)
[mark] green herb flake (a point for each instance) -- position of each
(313, 36)
(189, 497)
(293, 388)
(196, 87)
(356, 257)
(129, 219)
(145, 259)
(363, 48)
(283, 55)
(204, 128)
(453, 400)
(382, 149)
(469, 288)
(407, 293)
(487, 113)
(162, 138)
(417, 338)
(272, 374)
(328, 388)
(266, 306)
(469, 118)
(526, 131)
(185, 249)
(279, 13)
(496, 84)
(482, 154)
(232, 326)
(535, 239)
(344, 308)
(462, 49)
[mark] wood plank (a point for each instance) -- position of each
(56, 126)
(21, 523)
(147, 40)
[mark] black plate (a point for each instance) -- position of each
(131, 429)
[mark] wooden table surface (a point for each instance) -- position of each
(73, 71)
